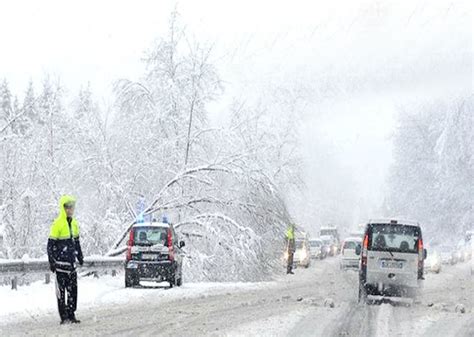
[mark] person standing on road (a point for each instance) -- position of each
(290, 237)
(63, 251)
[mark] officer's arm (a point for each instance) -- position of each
(79, 255)
(51, 248)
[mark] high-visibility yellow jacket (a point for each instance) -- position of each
(290, 233)
(290, 236)
(63, 244)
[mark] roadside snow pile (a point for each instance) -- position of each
(39, 299)
(329, 302)
(460, 308)
(440, 306)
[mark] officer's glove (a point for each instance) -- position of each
(52, 268)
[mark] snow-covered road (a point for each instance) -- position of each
(291, 305)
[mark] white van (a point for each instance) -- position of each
(349, 258)
(391, 263)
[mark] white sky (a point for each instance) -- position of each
(361, 58)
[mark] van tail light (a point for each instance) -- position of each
(420, 253)
(170, 245)
(365, 246)
(129, 245)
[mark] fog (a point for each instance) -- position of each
(354, 65)
(236, 154)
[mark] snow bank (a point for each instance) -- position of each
(39, 299)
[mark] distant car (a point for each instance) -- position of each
(316, 249)
(447, 255)
(459, 252)
(331, 231)
(332, 244)
(302, 255)
(154, 253)
(467, 252)
(327, 245)
(392, 257)
(433, 262)
(464, 251)
(356, 234)
(349, 258)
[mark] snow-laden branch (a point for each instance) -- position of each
(188, 173)
(217, 216)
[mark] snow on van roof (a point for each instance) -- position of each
(398, 221)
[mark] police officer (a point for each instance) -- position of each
(290, 237)
(63, 251)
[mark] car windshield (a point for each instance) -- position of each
(315, 243)
(299, 244)
(149, 236)
(350, 245)
(395, 238)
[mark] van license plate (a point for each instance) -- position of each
(392, 264)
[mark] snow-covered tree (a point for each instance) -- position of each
(431, 178)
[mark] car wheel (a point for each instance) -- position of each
(179, 282)
(172, 280)
(130, 280)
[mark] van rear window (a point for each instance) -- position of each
(350, 245)
(149, 236)
(394, 238)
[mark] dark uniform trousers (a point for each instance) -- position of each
(66, 293)
(291, 252)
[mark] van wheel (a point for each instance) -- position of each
(179, 282)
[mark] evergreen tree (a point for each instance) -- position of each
(6, 109)
(30, 107)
